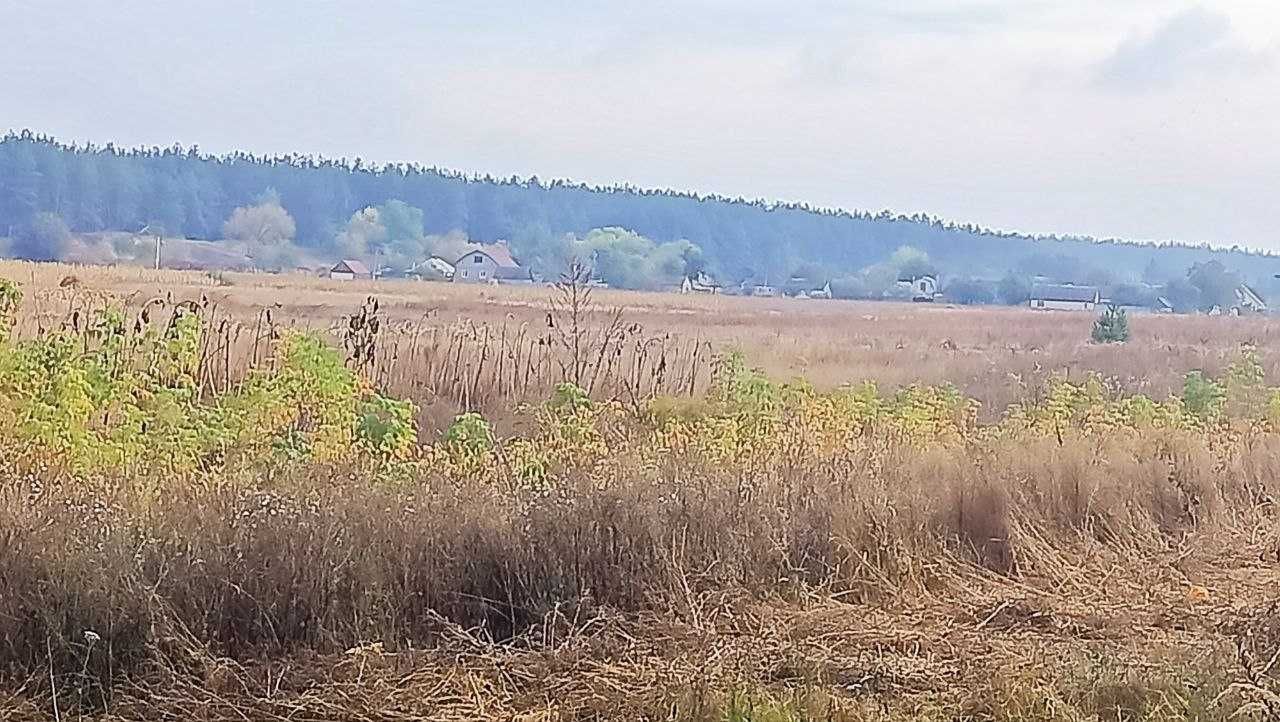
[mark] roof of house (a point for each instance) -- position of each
(796, 285)
(1246, 293)
(500, 253)
(348, 265)
(1055, 292)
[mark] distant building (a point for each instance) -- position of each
(1064, 297)
(1248, 300)
(700, 282)
(804, 288)
(923, 289)
(434, 268)
(491, 263)
(350, 270)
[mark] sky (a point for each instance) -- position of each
(1139, 119)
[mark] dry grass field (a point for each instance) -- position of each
(434, 330)
(178, 545)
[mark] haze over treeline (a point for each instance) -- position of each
(328, 208)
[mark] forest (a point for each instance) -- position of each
(293, 207)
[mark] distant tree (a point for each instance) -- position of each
(1217, 285)
(627, 259)
(1057, 267)
(909, 262)
(264, 224)
(1128, 294)
(808, 270)
(1013, 290)
(402, 221)
(46, 238)
(969, 291)
(363, 232)
(112, 188)
(1155, 271)
(1182, 295)
(541, 251)
(1099, 277)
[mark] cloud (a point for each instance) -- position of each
(1196, 42)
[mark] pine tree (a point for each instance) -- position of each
(1111, 327)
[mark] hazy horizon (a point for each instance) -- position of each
(1137, 119)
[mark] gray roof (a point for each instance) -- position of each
(1054, 292)
(348, 265)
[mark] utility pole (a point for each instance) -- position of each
(159, 233)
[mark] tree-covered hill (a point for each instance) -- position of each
(46, 187)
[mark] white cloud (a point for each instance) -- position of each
(1196, 42)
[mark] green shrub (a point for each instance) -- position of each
(1202, 396)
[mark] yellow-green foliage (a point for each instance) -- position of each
(107, 399)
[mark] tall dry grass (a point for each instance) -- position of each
(1126, 576)
(996, 355)
(1089, 533)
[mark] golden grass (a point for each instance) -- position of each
(1119, 577)
(1129, 579)
(995, 355)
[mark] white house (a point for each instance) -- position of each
(349, 270)
(491, 263)
(1064, 297)
(923, 289)
(700, 283)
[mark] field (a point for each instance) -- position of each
(453, 502)
(992, 354)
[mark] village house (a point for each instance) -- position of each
(491, 263)
(1064, 297)
(1248, 300)
(350, 270)
(700, 282)
(923, 289)
(434, 268)
(804, 288)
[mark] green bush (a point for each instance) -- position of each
(1202, 396)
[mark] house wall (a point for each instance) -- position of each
(342, 276)
(475, 267)
(1044, 305)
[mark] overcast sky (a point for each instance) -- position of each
(1146, 119)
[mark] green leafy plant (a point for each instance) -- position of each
(1203, 397)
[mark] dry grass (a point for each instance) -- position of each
(917, 583)
(995, 355)
(1125, 577)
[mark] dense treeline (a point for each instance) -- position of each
(89, 188)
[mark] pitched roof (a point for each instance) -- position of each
(348, 265)
(1246, 294)
(1055, 292)
(796, 285)
(499, 252)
